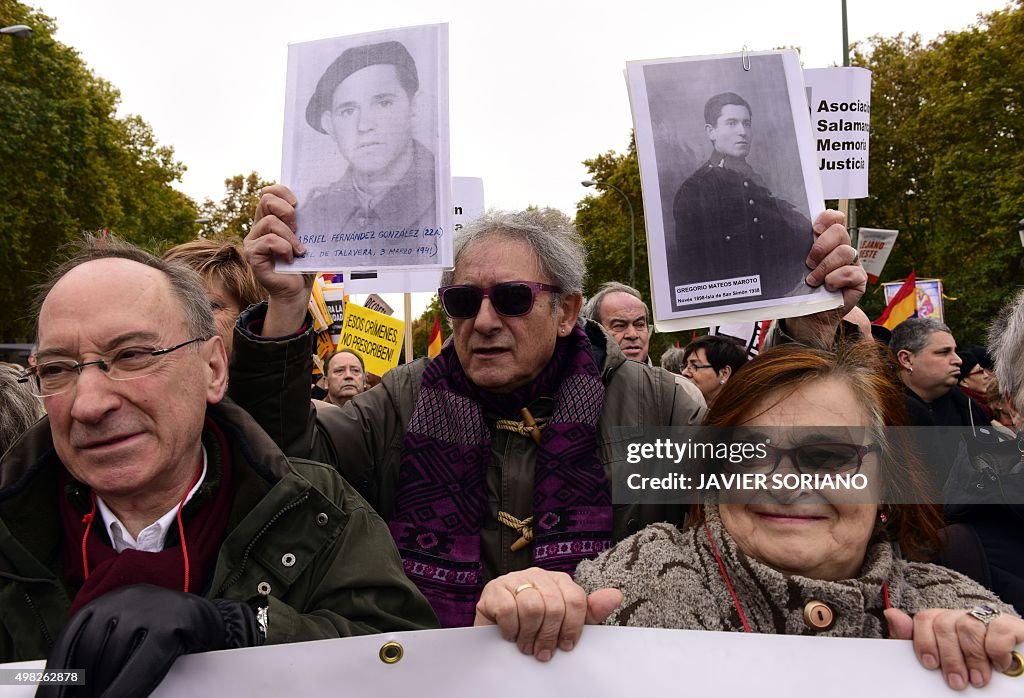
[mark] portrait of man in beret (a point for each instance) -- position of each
(366, 103)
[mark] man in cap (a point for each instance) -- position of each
(366, 102)
(147, 517)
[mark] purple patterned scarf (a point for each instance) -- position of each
(441, 500)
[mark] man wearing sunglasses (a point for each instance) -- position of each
(147, 517)
(492, 457)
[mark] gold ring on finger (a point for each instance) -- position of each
(1017, 665)
(523, 587)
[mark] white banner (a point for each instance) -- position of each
(840, 103)
(467, 662)
(468, 195)
(874, 245)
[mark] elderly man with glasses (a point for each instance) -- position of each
(493, 457)
(147, 517)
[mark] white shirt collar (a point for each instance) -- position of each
(152, 538)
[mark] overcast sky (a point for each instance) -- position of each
(536, 86)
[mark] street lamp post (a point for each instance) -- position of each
(21, 31)
(202, 221)
(632, 226)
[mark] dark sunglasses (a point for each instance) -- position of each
(813, 458)
(510, 299)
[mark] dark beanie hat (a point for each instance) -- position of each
(352, 60)
(970, 362)
(982, 355)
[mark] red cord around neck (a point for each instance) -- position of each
(735, 599)
(91, 516)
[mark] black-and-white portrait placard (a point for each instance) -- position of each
(730, 187)
(366, 150)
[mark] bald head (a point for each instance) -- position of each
(127, 384)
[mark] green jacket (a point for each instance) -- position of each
(364, 438)
(297, 533)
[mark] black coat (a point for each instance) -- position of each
(728, 225)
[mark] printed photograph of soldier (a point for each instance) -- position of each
(366, 103)
(732, 190)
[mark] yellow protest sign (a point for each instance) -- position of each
(374, 336)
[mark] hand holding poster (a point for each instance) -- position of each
(366, 150)
(730, 187)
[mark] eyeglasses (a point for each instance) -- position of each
(55, 377)
(810, 458)
(692, 366)
(510, 299)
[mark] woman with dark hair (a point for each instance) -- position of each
(789, 560)
(710, 361)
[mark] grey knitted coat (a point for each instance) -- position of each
(671, 579)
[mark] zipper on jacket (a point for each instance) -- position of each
(255, 539)
(42, 623)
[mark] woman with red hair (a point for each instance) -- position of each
(788, 558)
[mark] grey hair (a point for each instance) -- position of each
(548, 232)
(913, 334)
(592, 308)
(186, 284)
(673, 360)
(1006, 344)
(19, 409)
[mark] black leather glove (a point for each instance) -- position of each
(126, 640)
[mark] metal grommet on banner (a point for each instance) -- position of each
(391, 652)
(1016, 669)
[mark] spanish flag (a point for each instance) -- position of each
(434, 347)
(902, 306)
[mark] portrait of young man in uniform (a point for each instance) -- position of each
(730, 186)
(366, 102)
(728, 224)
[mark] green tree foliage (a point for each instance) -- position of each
(425, 323)
(947, 162)
(231, 217)
(603, 222)
(68, 163)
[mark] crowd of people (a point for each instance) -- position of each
(186, 492)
